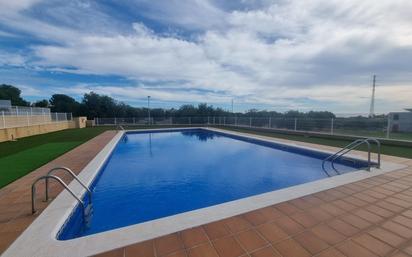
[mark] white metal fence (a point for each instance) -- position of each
(370, 127)
(18, 116)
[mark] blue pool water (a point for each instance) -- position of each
(154, 175)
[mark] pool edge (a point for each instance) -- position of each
(46, 226)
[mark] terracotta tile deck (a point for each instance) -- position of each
(15, 198)
(372, 217)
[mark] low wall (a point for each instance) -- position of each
(7, 134)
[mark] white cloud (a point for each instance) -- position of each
(281, 53)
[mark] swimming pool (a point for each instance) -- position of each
(152, 175)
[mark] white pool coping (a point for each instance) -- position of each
(39, 239)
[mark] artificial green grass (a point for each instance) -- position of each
(19, 164)
(27, 154)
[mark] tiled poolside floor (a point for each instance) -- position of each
(15, 198)
(372, 217)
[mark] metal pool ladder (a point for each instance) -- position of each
(86, 210)
(332, 158)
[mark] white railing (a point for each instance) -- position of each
(365, 127)
(23, 117)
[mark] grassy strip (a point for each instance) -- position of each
(401, 151)
(27, 154)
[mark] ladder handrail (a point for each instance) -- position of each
(352, 146)
(33, 191)
(73, 175)
(338, 152)
(347, 150)
(119, 126)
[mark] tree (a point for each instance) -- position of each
(64, 103)
(9, 92)
(41, 103)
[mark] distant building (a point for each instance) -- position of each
(401, 121)
(5, 105)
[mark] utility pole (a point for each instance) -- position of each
(372, 108)
(148, 107)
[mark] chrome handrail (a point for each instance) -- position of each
(33, 191)
(351, 147)
(73, 175)
(347, 150)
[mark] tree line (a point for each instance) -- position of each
(95, 105)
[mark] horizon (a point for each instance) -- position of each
(268, 55)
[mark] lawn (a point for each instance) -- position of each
(27, 154)
(401, 151)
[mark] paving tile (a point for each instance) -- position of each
(271, 213)
(379, 211)
(332, 209)
(271, 232)
(288, 225)
(355, 201)
(180, 253)
(389, 206)
(228, 247)
(193, 236)
(374, 245)
(400, 254)
(216, 229)
(344, 205)
(407, 213)
(367, 215)
(237, 223)
(403, 221)
(351, 249)
(290, 248)
(356, 221)
(387, 236)
(287, 208)
(250, 240)
(168, 244)
(398, 229)
(301, 203)
(311, 242)
(331, 252)
(343, 227)
(255, 217)
(305, 219)
(205, 250)
(319, 214)
(145, 249)
(328, 234)
(265, 252)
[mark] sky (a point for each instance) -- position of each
(265, 54)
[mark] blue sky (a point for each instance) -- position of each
(265, 54)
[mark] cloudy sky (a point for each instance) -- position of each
(267, 54)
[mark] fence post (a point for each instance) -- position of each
(28, 119)
(331, 125)
(296, 123)
(57, 118)
(224, 120)
(115, 121)
(4, 119)
(17, 111)
(208, 120)
(235, 120)
(96, 121)
(388, 129)
(250, 121)
(134, 120)
(190, 120)
(270, 122)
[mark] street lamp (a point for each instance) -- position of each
(148, 107)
